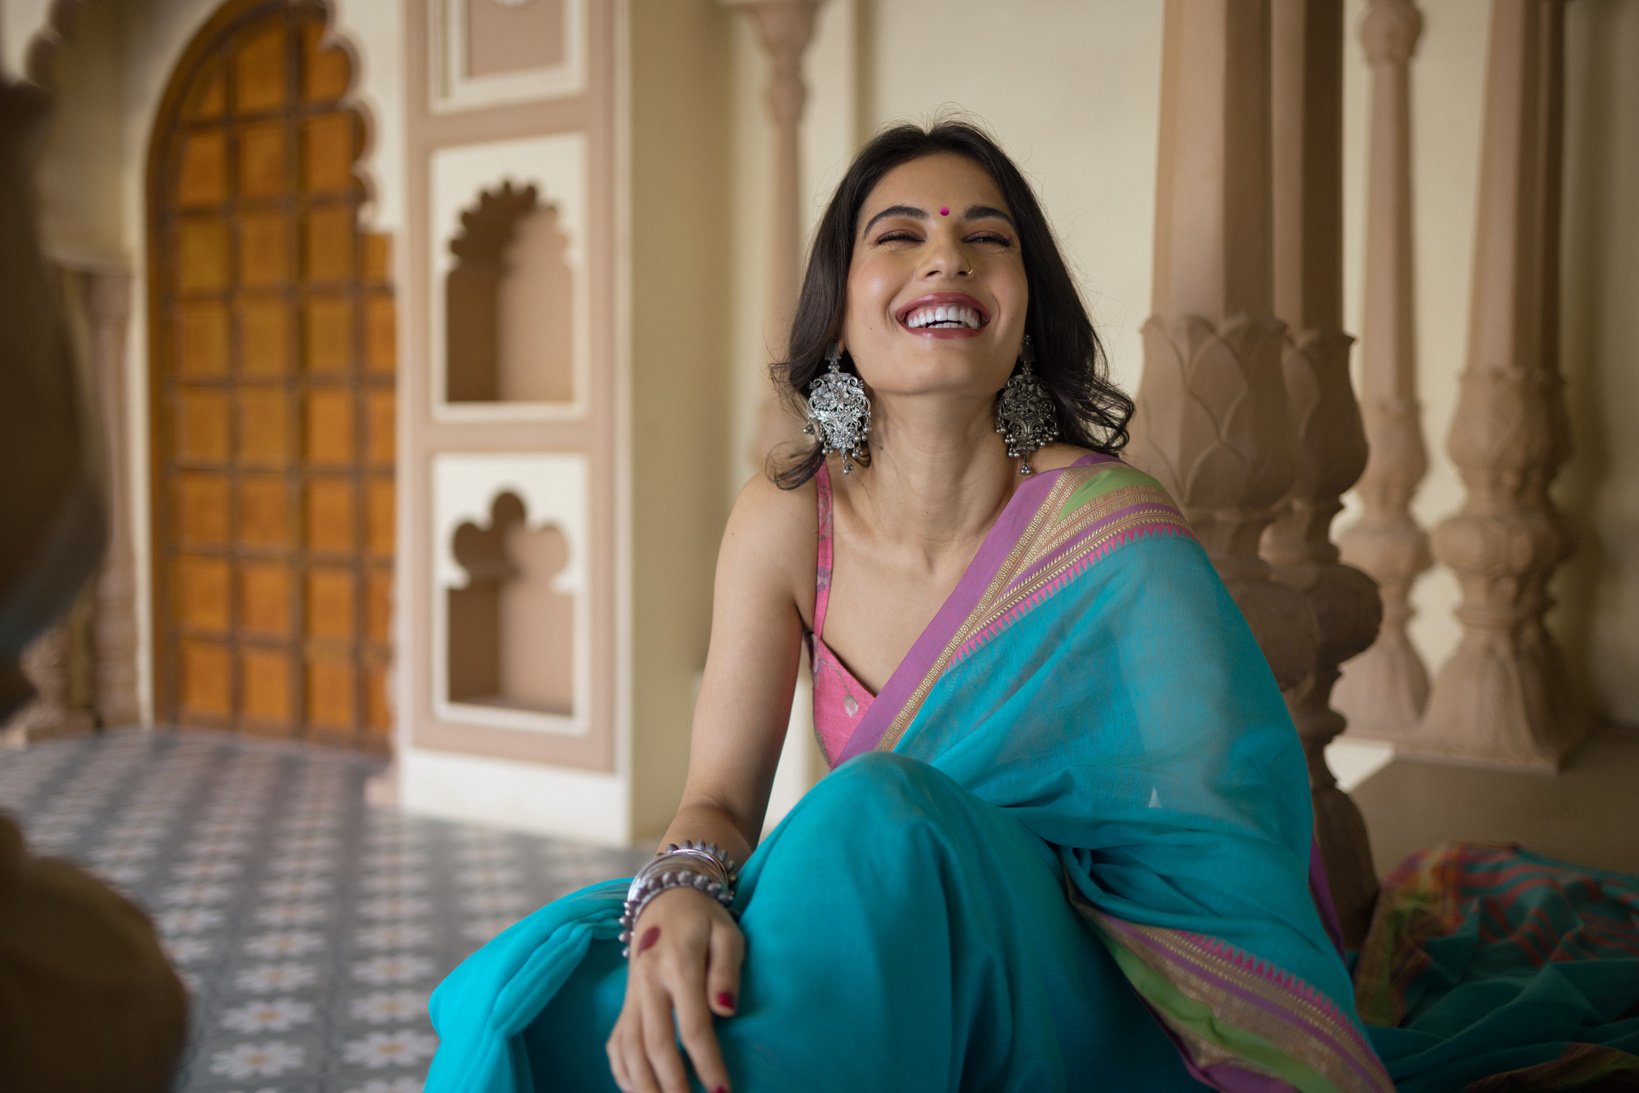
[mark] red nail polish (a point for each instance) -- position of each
(725, 1000)
(720, 1089)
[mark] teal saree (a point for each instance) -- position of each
(1068, 847)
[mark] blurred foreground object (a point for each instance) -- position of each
(87, 1000)
(53, 490)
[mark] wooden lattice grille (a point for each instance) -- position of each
(272, 391)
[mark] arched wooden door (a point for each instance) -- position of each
(272, 388)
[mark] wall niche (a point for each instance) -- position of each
(509, 303)
(511, 626)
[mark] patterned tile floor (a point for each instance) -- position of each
(309, 926)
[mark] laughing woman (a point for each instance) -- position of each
(1067, 840)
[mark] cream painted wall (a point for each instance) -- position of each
(679, 271)
(82, 159)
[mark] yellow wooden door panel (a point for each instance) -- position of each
(202, 593)
(202, 425)
(202, 510)
(206, 680)
(330, 607)
(329, 244)
(265, 512)
(266, 673)
(327, 335)
(272, 385)
(329, 145)
(264, 337)
(327, 73)
(259, 69)
(203, 177)
(264, 599)
(203, 262)
(201, 339)
(328, 426)
(264, 249)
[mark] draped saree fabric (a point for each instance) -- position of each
(1067, 847)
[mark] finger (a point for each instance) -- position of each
(616, 1050)
(694, 1029)
(727, 953)
(634, 1062)
(660, 1042)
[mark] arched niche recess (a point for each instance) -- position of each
(509, 303)
(511, 630)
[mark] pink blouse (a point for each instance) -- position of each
(840, 700)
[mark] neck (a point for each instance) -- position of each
(939, 477)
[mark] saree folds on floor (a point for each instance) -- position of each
(1068, 847)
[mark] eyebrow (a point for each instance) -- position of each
(973, 212)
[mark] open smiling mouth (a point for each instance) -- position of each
(944, 317)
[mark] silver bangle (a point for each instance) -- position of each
(702, 866)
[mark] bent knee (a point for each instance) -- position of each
(885, 785)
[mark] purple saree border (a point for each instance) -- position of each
(1016, 515)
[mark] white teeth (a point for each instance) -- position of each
(948, 315)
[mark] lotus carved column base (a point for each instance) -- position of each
(1501, 700)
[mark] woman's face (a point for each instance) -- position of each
(915, 320)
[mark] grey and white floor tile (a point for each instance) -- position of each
(309, 927)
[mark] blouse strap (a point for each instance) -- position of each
(822, 568)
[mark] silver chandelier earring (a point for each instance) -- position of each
(839, 411)
(1024, 412)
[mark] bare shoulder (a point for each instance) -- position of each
(770, 534)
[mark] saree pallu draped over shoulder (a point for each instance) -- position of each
(1068, 847)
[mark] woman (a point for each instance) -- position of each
(1068, 841)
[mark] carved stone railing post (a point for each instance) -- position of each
(114, 628)
(1502, 697)
(1307, 116)
(784, 28)
(1211, 421)
(1384, 690)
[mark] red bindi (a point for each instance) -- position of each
(944, 210)
(646, 942)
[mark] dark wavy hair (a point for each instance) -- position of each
(1092, 411)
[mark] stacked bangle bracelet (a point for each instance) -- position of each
(703, 866)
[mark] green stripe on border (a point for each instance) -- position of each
(1202, 1024)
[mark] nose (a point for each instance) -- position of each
(947, 257)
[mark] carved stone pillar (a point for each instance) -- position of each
(1307, 81)
(1384, 690)
(784, 28)
(51, 664)
(107, 296)
(1502, 697)
(1212, 422)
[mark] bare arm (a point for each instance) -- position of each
(744, 706)
(686, 950)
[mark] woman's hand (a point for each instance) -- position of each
(686, 954)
